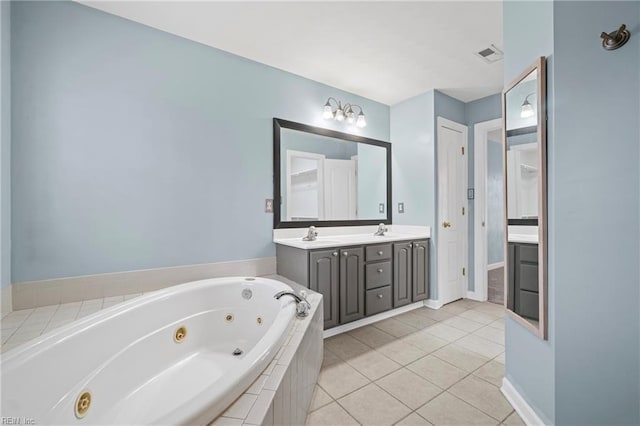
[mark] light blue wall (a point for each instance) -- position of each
(495, 204)
(134, 148)
(588, 372)
(413, 167)
(595, 179)
(484, 109)
(530, 364)
(5, 143)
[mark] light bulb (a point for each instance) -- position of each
(328, 112)
(350, 117)
(527, 110)
(339, 114)
(361, 122)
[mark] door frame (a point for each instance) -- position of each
(464, 130)
(480, 239)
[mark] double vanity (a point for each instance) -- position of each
(358, 273)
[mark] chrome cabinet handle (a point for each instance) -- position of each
(335, 253)
(380, 270)
(344, 253)
(380, 253)
(410, 245)
(380, 296)
(417, 245)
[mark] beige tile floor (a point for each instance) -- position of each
(440, 367)
(23, 325)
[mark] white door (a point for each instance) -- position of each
(452, 210)
(340, 195)
(488, 208)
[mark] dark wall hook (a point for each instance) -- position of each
(616, 39)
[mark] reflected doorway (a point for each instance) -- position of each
(489, 212)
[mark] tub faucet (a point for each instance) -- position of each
(302, 306)
(381, 230)
(311, 234)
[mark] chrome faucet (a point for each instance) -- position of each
(302, 306)
(311, 234)
(381, 230)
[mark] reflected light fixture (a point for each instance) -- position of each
(334, 109)
(527, 109)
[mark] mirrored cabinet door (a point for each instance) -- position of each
(525, 191)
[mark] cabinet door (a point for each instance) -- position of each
(420, 270)
(324, 279)
(511, 279)
(351, 284)
(402, 274)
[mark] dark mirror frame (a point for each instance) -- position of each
(279, 124)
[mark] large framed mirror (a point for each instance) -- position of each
(525, 191)
(328, 178)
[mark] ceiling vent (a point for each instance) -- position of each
(490, 55)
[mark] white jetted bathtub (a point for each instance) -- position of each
(167, 357)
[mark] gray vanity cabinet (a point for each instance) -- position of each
(402, 273)
(351, 284)
(359, 281)
(324, 278)
(411, 272)
(420, 270)
(523, 279)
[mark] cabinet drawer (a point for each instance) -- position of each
(379, 252)
(528, 275)
(378, 300)
(528, 304)
(378, 275)
(528, 252)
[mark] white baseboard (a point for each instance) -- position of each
(6, 304)
(473, 295)
(34, 294)
(528, 414)
(433, 304)
(370, 320)
(495, 266)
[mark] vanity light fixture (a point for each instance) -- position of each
(527, 110)
(343, 112)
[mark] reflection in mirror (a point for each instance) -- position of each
(522, 151)
(525, 192)
(327, 176)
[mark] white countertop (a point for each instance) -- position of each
(523, 234)
(348, 236)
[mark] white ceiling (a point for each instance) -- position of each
(386, 51)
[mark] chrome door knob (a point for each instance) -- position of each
(446, 224)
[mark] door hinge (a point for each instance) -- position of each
(464, 272)
(463, 211)
(463, 150)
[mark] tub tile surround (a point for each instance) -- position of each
(34, 294)
(442, 373)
